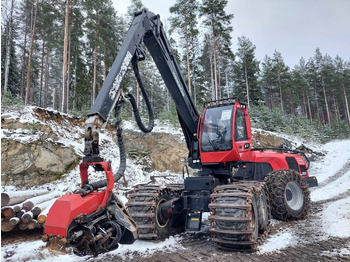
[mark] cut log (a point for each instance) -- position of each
(23, 226)
(27, 205)
(14, 221)
(8, 212)
(30, 203)
(15, 197)
(6, 226)
(42, 216)
(20, 213)
(37, 209)
(32, 224)
(27, 217)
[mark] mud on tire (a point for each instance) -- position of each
(143, 205)
(288, 195)
(234, 217)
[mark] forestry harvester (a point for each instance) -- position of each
(239, 185)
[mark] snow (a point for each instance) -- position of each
(333, 189)
(164, 127)
(337, 154)
(332, 171)
(343, 252)
(148, 247)
(336, 218)
(36, 250)
(279, 241)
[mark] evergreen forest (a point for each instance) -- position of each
(57, 54)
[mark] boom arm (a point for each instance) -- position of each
(145, 27)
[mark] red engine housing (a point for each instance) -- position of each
(70, 206)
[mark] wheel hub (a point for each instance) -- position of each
(294, 196)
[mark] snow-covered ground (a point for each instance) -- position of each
(332, 172)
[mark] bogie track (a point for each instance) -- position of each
(143, 205)
(237, 211)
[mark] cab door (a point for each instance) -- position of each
(241, 130)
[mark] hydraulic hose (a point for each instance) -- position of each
(122, 154)
(148, 103)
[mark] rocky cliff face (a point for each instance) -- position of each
(33, 150)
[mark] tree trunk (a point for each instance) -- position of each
(46, 79)
(8, 49)
(95, 73)
(326, 101)
(336, 109)
(309, 105)
(54, 98)
(280, 86)
(215, 60)
(42, 72)
(34, 11)
(75, 83)
(24, 61)
(317, 106)
(68, 72)
(65, 61)
(188, 63)
(246, 83)
(105, 63)
(346, 105)
(212, 76)
(216, 76)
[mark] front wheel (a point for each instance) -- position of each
(289, 195)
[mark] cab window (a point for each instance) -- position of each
(240, 126)
(217, 129)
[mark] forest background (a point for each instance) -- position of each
(57, 54)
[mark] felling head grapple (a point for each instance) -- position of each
(89, 221)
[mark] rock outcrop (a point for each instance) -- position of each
(31, 153)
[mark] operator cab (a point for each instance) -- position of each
(224, 131)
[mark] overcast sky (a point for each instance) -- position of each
(293, 27)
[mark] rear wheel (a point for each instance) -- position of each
(289, 195)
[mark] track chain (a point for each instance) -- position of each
(276, 183)
(142, 207)
(232, 218)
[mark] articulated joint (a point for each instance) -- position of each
(92, 129)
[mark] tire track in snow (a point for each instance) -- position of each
(333, 190)
(345, 168)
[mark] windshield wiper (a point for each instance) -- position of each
(212, 143)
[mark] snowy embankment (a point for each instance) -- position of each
(333, 196)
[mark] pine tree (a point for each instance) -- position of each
(34, 14)
(9, 61)
(268, 82)
(184, 22)
(342, 82)
(282, 74)
(247, 71)
(219, 27)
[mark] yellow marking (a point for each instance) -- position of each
(195, 219)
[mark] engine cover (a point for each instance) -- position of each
(68, 207)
